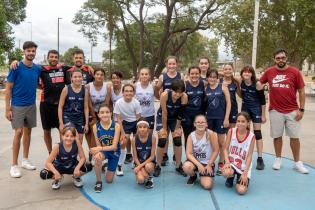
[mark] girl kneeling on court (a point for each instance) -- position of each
(143, 147)
(202, 149)
(238, 152)
(106, 133)
(63, 160)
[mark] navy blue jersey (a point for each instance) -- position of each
(66, 160)
(167, 81)
(106, 135)
(86, 73)
(250, 95)
(143, 149)
(74, 103)
(195, 98)
(232, 89)
(172, 108)
(215, 102)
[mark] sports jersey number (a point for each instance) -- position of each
(237, 162)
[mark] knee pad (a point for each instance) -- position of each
(44, 174)
(87, 167)
(161, 142)
(177, 141)
(258, 134)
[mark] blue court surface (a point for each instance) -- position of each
(285, 189)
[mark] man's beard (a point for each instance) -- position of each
(281, 64)
(78, 64)
(30, 57)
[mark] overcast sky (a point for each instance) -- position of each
(43, 15)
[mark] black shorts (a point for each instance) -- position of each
(49, 115)
(46, 174)
(129, 127)
(238, 176)
(151, 121)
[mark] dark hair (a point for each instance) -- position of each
(178, 86)
(128, 85)
(212, 71)
(117, 73)
(52, 52)
(246, 116)
(76, 70)
(279, 50)
(228, 64)
(193, 67)
(204, 57)
(77, 52)
(72, 129)
(170, 57)
(104, 105)
(251, 69)
(98, 68)
(29, 44)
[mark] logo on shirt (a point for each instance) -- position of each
(279, 78)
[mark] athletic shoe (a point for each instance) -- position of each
(119, 171)
(128, 158)
(277, 163)
(220, 167)
(300, 167)
(27, 164)
(15, 172)
(157, 171)
(77, 182)
(149, 184)
(229, 182)
(104, 166)
(180, 170)
(90, 157)
(98, 187)
(260, 164)
(56, 185)
(192, 179)
(164, 160)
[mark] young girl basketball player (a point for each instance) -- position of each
(204, 65)
(239, 147)
(73, 109)
(63, 160)
(201, 151)
(107, 147)
(143, 147)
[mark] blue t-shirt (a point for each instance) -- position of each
(25, 81)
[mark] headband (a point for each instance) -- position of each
(143, 122)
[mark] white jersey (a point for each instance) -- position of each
(127, 110)
(146, 98)
(97, 96)
(202, 149)
(115, 97)
(238, 151)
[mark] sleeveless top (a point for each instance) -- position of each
(172, 107)
(202, 149)
(66, 160)
(238, 150)
(232, 89)
(74, 103)
(115, 97)
(167, 81)
(215, 102)
(146, 98)
(106, 136)
(97, 96)
(250, 95)
(195, 98)
(143, 149)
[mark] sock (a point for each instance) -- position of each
(122, 157)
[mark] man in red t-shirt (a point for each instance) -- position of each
(284, 111)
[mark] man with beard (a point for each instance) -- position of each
(284, 111)
(78, 58)
(20, 107)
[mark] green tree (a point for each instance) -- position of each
(289, 24)
(16, 54)
(67, 57)
(12, 12)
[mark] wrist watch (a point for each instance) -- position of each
(301, 109)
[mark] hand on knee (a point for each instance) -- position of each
(188, 168)
(227, 172)
(149, 167)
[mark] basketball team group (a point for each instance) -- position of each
(197, 113)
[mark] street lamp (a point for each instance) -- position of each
(58, 35)
(255, 34)
(31, 30)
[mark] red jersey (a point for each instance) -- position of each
(283, 85)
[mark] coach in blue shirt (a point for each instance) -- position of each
(20, 105)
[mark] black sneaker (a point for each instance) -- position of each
(164, 160)
(128, 159)
(149, 184)
(98, 187)
(192, 179)
(104, 167)
(180, 170)
(119, 171)
(157, 171)
(260, 164)
(229, 182)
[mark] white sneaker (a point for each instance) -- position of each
(277, 163)
(119, 171)
(77, 182)
(300, 167)
(28, 165)
(56, 184)
(15, 172)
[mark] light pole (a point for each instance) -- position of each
(58, 35)
(255, 34)
(31, 30)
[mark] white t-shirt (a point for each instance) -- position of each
(97, 96)
(146, 98)
(127, 110)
